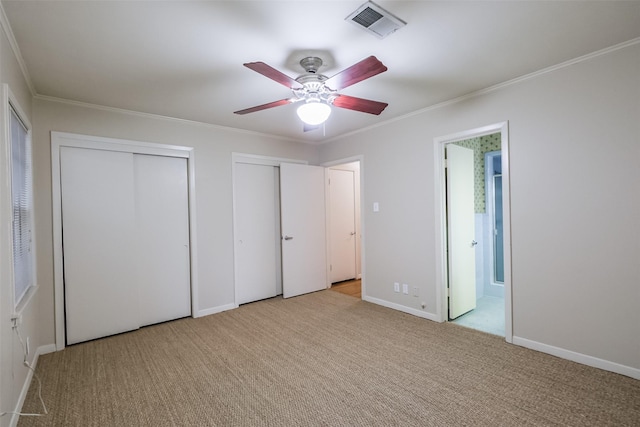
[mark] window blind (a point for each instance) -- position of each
(21, 193)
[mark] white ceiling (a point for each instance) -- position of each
(184, 59)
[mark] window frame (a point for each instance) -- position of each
(12, 107)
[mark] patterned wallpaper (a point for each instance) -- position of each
(480, 146)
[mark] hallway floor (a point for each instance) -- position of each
(349, 287)
(488, 316)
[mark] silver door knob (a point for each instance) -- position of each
(353, 233)
(473, 243)
(288, 237)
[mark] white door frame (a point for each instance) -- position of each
(360, 159)
(255, 160)
(440, 216)
(63, 139)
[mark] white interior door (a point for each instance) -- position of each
(257, 228)
(162, 237)
(303, 217)
(461, 230)
(99, 254)
(342, 225)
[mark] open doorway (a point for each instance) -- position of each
(473, 208)
(344, 227)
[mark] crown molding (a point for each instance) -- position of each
(6, 28)
(159, 117)
(495, 87)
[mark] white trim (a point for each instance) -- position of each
(456, 100)
(214, 310)
(163, 118)
(493, 88)
(44, 349)
(440, 217)
(578, 357)
(327, 227)
(4, 23)
(360, 159)
(8, 31)
(10, 102)
(26, 299)
(62, 139)
(403, 308)
(257, 159)
(253, 159)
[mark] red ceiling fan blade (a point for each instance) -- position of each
(359, 104)
(265, 106)
(364, 69)
(273, 74)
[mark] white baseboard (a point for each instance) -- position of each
(404, 309)
(43, 349)
(578, 357)
(214, 310)
(46, 349)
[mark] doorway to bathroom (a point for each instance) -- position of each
(474, 208)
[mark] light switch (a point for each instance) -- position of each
(376, 207)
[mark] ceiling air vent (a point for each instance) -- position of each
(375, 20)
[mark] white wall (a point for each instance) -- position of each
(575, 172)
(213, 148)
(12, 372)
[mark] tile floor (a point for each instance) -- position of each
(488, 316)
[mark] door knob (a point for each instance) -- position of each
(288, 237)
(473, 243)
(353, 233)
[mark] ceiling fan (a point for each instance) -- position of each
(318, 92)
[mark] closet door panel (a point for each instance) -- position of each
(162, 224)
(98, 243)
(257, 226)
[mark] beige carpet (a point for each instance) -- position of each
(324, 359)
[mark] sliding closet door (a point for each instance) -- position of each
(162, 229)
(99, 260)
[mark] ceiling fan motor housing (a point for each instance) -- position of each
(313, 88)
(311, 64)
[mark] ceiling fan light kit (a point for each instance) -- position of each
(319, 92)
(314, 112)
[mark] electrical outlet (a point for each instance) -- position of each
(405, 289)
(16, 321)
(396, 287)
